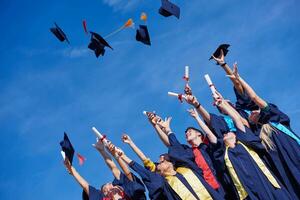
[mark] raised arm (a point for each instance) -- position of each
(122, 164)
(228, 71)
(232, 113)
(192, 100)
(153, 119)
(248, 89)
(211, 137)
(82, 182)
(107, 159)
(126, 139)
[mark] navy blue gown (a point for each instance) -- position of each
(219, 127)
(287, 154)
(157, 186)
(284, 161)
(252, 178)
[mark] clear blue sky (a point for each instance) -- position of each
(48, 87)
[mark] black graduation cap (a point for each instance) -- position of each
(67, 147)
(142, 35)
(217, 53)
(167, 9)
(98, 44)
(59, 33)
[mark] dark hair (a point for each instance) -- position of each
(193, 128)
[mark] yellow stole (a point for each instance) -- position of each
(237, 183)
(149, 165)
(193, 181)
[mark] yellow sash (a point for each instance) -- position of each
(149, 165)
(237, 183)
(193, 181)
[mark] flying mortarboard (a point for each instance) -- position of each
(142, 35)
(224, 48)
(98, 44)
(67, 148)
(58, 32)
(167, 9)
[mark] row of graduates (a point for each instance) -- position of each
(248, 151)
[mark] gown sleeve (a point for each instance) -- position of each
(181, 155)
(272, 114)
(94, 194)
(153, 181)
(250, 139)
(218, 125)
(243, 101)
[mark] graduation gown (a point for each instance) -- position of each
(286, 155)
(133, 189)
(284, 161)
(253, 180)
(157, 186)
(219, 127)
(182, 155)
(160, 189)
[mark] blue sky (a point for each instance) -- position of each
(48, 87)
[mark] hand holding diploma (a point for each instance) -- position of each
(211, 85)
(100, 136)
(179, 96)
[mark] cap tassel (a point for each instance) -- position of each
(129, 23)
(143, 17)
(85, 27)
(81, 159)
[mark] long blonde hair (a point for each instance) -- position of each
(265, 135)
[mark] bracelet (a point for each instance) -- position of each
(223, 65)
(198, 106)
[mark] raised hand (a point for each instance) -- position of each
(165, 125)
(99, 145)
(153, 118)
(126, 139)
(220, 60)
(192, 100)
(235, 75)
(68, 166)
(193, 113)
(187, 90)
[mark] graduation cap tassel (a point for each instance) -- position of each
(143, 17)
(129, 23)
(85, 27)
(81, 159)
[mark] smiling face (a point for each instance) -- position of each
(193, 137)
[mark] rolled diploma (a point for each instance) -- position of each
(210, 84)
(175, 95)
(186, 72)
(99, 135)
